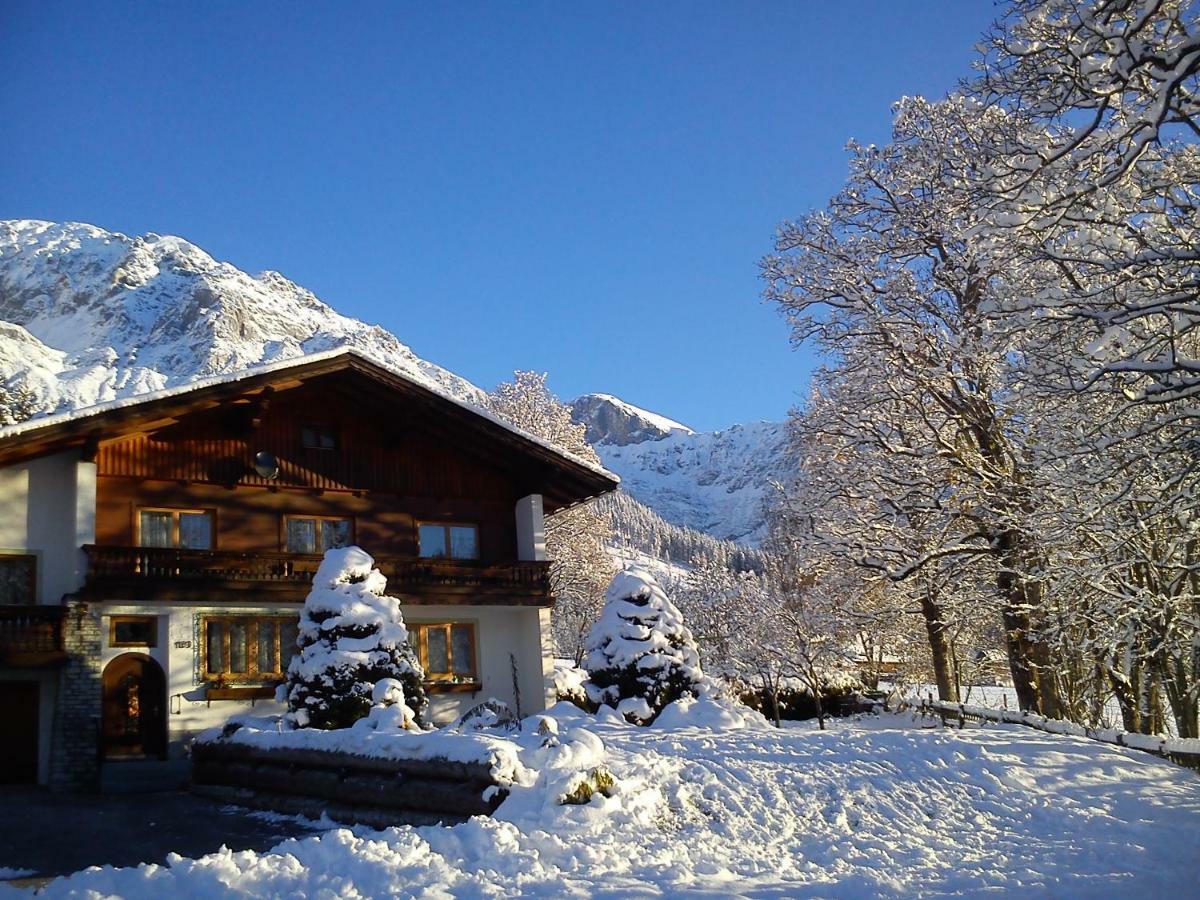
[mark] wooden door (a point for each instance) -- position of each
(19, 745)
(135, 707)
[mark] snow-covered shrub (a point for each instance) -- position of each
(354, 651)
(641, 656)
(839, 695)
(597, 781)
(568, 682)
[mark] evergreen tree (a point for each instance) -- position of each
(641, 656)
(354, 650)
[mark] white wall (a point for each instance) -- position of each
(501, 632)
(188, 713)
(48, 508)
(522, 632)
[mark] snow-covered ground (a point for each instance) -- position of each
(874, 806)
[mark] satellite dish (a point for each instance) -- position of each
(266, 465)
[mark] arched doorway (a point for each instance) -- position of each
(135, 707)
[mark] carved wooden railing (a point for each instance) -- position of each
(158, 563)
(30, 633)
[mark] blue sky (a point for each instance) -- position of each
(578, 188)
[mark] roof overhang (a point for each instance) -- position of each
(563, 479)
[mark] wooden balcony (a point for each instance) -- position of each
(153, 573)
(31, 636)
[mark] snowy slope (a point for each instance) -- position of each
(715, 482)
(90, 315)
(711, 806)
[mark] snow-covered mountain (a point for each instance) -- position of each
(611, 420)
(715, 482)
(88, 315)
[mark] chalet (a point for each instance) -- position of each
(154, 553)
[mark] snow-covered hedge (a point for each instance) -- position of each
(354, 651)
(641, 656)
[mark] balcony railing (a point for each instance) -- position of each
(109, 564)
(31, 635)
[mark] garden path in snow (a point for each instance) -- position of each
(874, 806)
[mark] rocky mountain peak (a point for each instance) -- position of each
(610, 420)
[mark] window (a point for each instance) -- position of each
(446, 651)
(318, 437)
(316, 534)
(247, 648)
(18, 579)
(133, 631)
(191, 529)
(446, 540)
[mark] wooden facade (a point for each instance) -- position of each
(383, 474)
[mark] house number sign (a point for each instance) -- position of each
(183, 645)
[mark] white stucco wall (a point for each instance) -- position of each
(503, 633)
(188, 712)
(48, 509)
(522, 632)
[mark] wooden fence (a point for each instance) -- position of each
(1184, 751)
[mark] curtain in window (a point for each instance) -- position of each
(437, 651)
(266, 647)
(238, 647)
(157, 529)
(301, 536)
(216, 647)
(461, 647)
(335, 533)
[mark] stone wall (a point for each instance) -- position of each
(74, 748)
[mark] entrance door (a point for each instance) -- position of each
(135, 707)
(19, 747)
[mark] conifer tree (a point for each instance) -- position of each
(641, 655)
(354, 650)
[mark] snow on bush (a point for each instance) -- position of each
(568, 682)
(641, 656)
(355, 660)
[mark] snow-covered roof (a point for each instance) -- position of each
(84, 413)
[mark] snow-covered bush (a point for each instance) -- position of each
(354, 651)
(839, 695)
(568, 682)
(641, 656)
